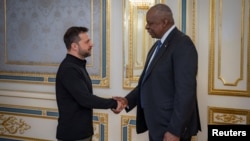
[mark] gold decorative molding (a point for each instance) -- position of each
(229, 55)
(20, 138)
(127, 127)
(136, 41)
(229, 118)
(12, 125)
(218, 115)
(100, 127)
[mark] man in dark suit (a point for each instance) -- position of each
(165, 96)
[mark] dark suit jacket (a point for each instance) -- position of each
(169, 90)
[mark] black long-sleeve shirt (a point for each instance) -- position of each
(75, 100)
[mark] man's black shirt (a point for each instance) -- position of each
(76, 101)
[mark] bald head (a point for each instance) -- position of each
(159, 20)
(163, 12)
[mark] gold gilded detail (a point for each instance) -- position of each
(229, 118)
(11, 125)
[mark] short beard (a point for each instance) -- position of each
(86, 55)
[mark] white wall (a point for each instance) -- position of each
(43, 95)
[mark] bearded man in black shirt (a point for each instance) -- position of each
(74, 92)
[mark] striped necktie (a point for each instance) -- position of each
(155, 52)
(158, 46)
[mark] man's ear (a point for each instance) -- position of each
(165, 22)
(74, 46)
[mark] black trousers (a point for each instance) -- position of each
(186, 139)
(181, 139)
(87, 139)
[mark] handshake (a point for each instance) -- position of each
(122, 103)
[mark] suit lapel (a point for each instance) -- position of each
(150, 54)
(162, 50)
(156, 58)
(165, 48)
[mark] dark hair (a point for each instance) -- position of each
(71, 35)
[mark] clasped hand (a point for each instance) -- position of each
(121, 104)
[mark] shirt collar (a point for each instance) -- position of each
(77, 60)
(167, 33)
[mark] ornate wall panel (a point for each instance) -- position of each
(136, 40)
(32, 46)
(219, 115)
(229, 69)
(128, 127)
(33, 123)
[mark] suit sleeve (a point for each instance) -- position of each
(185, 69)
(132, 98)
